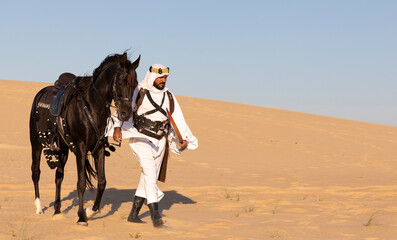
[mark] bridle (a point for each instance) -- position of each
(115, 96)
(117, 100)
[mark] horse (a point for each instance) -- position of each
(81, 126)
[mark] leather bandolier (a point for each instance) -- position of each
(155, 129)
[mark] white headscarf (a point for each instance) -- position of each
(147, 83)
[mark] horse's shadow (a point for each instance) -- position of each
(114, 197)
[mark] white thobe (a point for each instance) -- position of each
(150, 151)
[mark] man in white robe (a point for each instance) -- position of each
(148, 131)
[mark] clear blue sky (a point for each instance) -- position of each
(332, 58)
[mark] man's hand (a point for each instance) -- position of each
(117, 135)
(183, 145)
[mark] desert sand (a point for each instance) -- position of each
(259, 173)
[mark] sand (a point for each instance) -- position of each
(259, 173)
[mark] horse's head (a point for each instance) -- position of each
(116, 79)
(124, 84)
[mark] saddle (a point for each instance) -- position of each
(60, 100)
(52, 100)
(64, 79)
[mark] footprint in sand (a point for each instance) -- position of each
(59, 216)
(202, 164)
(225, 170)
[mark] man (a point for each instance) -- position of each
(151, 135)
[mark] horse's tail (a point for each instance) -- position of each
(32, 122)
(89, 173)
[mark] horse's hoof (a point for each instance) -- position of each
(89, 212)
(134, 219)
(37, 203)
(85, 224)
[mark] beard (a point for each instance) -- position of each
(159, 86)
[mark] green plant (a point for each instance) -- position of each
(75, 202)
(369, 223)
(24, 231)
(275, 209)
(227, 195)
(250, 207)
(136, 235)
(275, 235)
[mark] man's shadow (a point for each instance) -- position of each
(114, 197)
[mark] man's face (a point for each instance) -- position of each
(159, 83)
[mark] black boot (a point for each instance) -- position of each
(154, 212)
(133, 217)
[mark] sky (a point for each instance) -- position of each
(331, 58)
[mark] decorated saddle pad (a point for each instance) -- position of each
(46, 122)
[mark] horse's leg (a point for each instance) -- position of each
(63, 157)
(81, 153)
(100, 168)
(36, 154)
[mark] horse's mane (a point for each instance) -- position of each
(83, 83)
(110, 59)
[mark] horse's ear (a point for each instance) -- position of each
(123, 58)
(136, 63)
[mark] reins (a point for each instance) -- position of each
(114, 96)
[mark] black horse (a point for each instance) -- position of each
(81, 127)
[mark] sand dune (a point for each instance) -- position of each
(259, 173)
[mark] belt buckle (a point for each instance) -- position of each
(160, 132)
